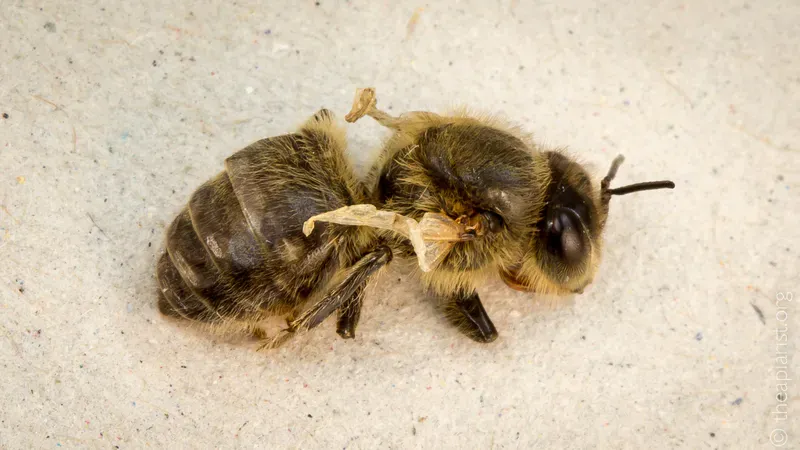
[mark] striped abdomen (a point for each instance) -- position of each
(237, 249)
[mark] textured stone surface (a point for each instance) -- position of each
(117, 111)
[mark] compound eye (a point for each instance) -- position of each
(564, 236)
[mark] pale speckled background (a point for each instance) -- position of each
(118, 110)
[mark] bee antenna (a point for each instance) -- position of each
(607, 192)
(645, 186)
(612, 172)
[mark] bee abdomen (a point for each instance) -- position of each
(260, 187)
(176, 298)
(222, 229)
(211, 250)
(188, 279)
(237, 250)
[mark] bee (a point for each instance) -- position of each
(469, 196)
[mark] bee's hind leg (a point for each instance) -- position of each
(347, 293)
(349, 315)
(466, 312)
(365, 104)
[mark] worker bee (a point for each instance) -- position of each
(288, 229)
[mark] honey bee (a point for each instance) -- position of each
(470, 196)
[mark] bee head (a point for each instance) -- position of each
(563, 252)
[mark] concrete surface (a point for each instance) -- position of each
(117, 111)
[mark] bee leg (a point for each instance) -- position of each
(357, 277)
(365, 103)
(349, 315)
(466, 311)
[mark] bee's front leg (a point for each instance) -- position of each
(466, 312)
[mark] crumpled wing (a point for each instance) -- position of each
(432, 237)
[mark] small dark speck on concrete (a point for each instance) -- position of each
(759, 313)
(699, 336)
(161, 52)
(413, 430)
(149, 244)
(773, 264)
(737, 402)
(316, 3)
(50, 26)
(450, 63)
(712, 434)
(780, 177)
(21, 290)
(570, 32)
(268, 31)
(310, 416)
(583, 338)
(155, 63)
(714, 170)
(183, 367)
(5, 115)
(521, 67)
